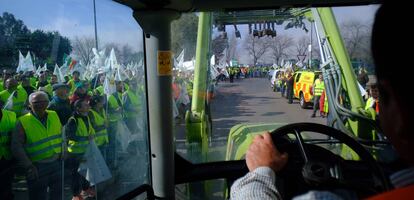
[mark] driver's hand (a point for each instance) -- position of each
(263, 153)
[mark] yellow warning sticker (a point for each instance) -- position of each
(164, 63)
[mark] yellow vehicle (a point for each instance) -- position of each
(302, 86)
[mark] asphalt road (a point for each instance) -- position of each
(243, 101)
(253, 101)
(249, 100)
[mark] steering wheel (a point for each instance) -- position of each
(313, 167)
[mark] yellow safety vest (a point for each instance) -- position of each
(114, 104)
(100, 126)
(49, 89)
(99, 90)
(18, 101)
(82, 134)
(370, 103)
(33, 82)
(135, 103)
(319, 87)
(7, 124)
(71, 84)
(325, 104)
(42, 142)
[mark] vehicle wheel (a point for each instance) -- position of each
(302, 102)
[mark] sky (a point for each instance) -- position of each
(74, 18)
(364, 14)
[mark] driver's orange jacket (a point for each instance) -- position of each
(404, 193)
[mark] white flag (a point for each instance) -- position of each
(21, 61)
(180, 59)
(94, 169)
(123, 135)
(38, 70)
(109, 86)
(44, 68)
(120, 75)
(28, 63)
(213, 60)
(9, 104)
(58, 73)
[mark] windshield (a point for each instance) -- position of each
(87, 59)
(269, 68)
(257, 71)
(263, 73)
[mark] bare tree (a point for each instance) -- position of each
(184, 35)
(315, 49)
(301, 48)
(280, 47)
(357, 38)
(232, 48)
(218, 45)
(124, 53)
(257, 47)
(82, 48)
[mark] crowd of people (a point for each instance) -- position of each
(284, 83)
(44, 122)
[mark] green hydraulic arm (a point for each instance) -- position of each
(347, 111)
(197, 124)
(330, 30)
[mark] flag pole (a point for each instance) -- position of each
(63, 165)
(96, 31)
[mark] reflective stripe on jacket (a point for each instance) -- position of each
(42, 142)
(7, 125)
(99, 123)
(78, 144)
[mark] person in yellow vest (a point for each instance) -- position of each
(99, 90)
(33, 79)
(79, 132)
(289, 87)
(25, 84)
(17, 103)
(60, 102)
(6, 75)
(115, 103)
(132, 106)
(373, 100)
(88, 88)
(7, 125)
(323, 104)
(318, 87)
(114, 115)
(53, 79)
(44, 85)
(37, 145)
(99, 121)
(75, 79)
(283, 83)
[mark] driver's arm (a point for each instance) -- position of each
(263, 160)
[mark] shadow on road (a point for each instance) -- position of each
(273, 113)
